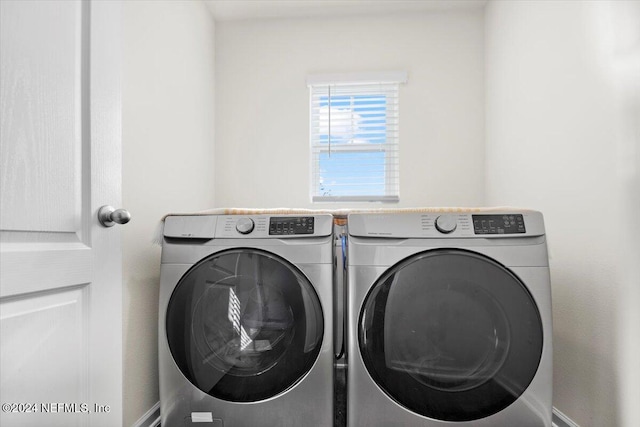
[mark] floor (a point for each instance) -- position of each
(340, 393)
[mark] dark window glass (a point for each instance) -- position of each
(244, 325)
(451, 335)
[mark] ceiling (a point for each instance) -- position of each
(233, 10)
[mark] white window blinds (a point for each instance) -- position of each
(354, 138)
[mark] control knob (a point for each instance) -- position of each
(446, 223)
(245, 225)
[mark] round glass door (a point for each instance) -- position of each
(451, 335)
(244, 325)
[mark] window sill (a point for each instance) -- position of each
(381, 199)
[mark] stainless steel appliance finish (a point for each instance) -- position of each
(245, 321)
(449, 320)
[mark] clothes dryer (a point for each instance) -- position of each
(449, 320)
(245, 321)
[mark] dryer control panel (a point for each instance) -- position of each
(448, 224)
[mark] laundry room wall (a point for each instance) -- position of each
(168, 145)
(262, 102)
(563, 136)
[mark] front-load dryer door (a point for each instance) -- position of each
(244, 325)
(451, 335)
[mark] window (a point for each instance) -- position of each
(354, 137)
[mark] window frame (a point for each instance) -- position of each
(387, 81)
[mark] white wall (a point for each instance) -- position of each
(168, 142)
(563, 136)
(262, 103)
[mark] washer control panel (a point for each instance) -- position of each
(280, 226)
(284, 226)
(245, 225)
(446, 223)
(498, 224)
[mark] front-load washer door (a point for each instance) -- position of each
(244, 325)
(451, 335)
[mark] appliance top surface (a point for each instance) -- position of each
(439, 225)
(248, 226)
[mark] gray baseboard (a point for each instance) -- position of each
(151, 418)
(561, 420)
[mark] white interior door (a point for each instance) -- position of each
(60, 160)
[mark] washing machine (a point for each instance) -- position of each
(449, 320)
(245, 321)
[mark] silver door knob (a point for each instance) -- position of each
(109, 216)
